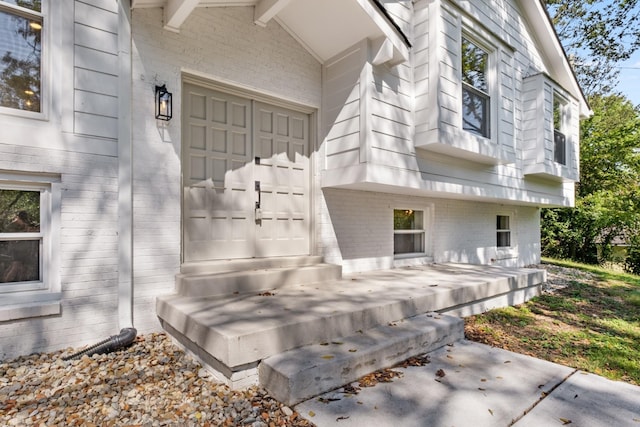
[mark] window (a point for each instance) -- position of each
(408, 232)
(21, 27)
(29, 242)
(503, 233)
(559, 138)
(21, 239)
(475, 89)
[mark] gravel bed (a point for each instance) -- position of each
(560, 277)
(151, 383)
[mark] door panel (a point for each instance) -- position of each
(283, 174)
(229, 144)
(218, 213)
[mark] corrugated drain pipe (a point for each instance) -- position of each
(115, 342)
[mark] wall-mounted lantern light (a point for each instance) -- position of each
(163, 103)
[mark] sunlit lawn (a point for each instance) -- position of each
(592, 324)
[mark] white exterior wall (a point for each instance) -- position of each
(358, 231)
(73, 145)
(224, 46)
(76, 146)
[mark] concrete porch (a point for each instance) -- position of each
(236, 332)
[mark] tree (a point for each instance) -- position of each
(608, 195)
(597, 34)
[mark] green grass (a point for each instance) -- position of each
(593, 324)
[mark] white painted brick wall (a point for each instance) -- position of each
(355, 229)
(88, 250)
(224, 44)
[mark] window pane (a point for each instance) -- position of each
(20, 53)
(502, 222)
(474, 65)
(19, 211)
(557, 114)
(560, 147)
(408, 243)
(504, 239)
(35, 5)
(407, 220)
(19, 261)
(475, 112)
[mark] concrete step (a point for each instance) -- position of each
(299, 374)
(252, 281)
(240, 330)
(248, 264)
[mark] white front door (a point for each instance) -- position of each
(245, 176)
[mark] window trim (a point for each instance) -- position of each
(45, 65)
(30, 299)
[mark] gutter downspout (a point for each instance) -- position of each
(125, 169)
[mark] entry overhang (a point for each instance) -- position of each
(324, 27)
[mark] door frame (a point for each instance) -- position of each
(236, 89)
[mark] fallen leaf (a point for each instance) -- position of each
(421, 360)
(507, 361)
(352, 350)
(449, 356)
(327, 357)
(484, 380)
(327, 400)
(342, 418)
(324, 343)
(266, 294)
(490, 411)
(337, 342)
(565, 421)
(481, 389)
(350, 389)
(312, 414)
(440, 373)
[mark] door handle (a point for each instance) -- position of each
(258, 203)
(258, 210)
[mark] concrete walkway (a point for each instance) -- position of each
(481, 386)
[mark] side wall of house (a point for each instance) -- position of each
(359, 230)
(217, 44)
(71, 151)
(372, 145)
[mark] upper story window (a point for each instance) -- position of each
(559, 125)
(476, 102)
(21, 27)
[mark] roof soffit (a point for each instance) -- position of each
(324, 27)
